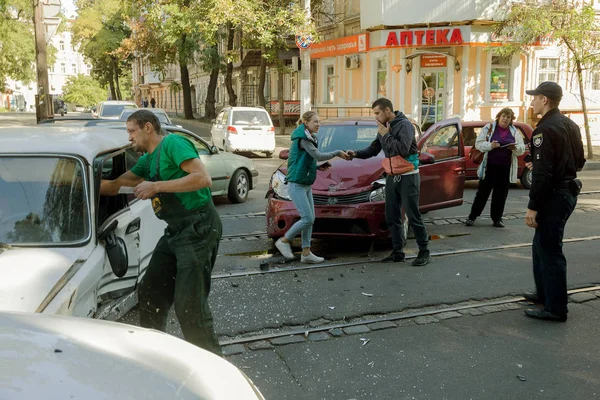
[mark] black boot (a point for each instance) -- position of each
(394, 257)
(422, 259)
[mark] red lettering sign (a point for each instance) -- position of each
(429, 37)
(419, 35)
(456, 36)
(406, 38)
(441, 36)
(392, 39)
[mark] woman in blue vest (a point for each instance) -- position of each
(301, 174)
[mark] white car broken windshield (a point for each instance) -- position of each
(43, 201)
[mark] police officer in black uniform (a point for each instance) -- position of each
(557, 155)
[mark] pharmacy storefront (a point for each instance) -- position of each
(430, 74)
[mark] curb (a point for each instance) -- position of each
(591, 166)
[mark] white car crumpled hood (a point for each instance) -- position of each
(28, 274)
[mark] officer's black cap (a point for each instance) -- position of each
(549, 89)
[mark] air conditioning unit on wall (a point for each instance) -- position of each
(352, 62)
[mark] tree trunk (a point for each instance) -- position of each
(229, 73)
(188, 113)
(116, 77)
(210, 111)
(262, 78)
(588, 135)
(281, 103)
(111, 85)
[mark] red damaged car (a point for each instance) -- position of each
(350, 196)
(470, 131)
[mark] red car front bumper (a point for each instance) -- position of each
(357, 220)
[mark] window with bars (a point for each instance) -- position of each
(547, 70)
(382, 77)
(595, 80)
(329, 84)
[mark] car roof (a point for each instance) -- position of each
(83, 141)
(243, 108)
(117, 102)
(360, 120)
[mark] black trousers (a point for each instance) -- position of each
(549, 262)
(497, 179)
(179, 274)
(403, 191)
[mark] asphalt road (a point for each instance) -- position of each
(418, 349)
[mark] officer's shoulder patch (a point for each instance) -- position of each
(538, 140)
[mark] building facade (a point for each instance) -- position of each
(69, 62)
(434, 60)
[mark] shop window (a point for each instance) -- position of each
(547, 70)
(382, 77)
(596, 81)
(330, 84)
(500, 78)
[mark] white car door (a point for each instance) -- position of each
(120, 226)
(217, 131)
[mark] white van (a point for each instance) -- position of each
(244, 129)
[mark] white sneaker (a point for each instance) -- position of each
(285, 249)
(311, 259)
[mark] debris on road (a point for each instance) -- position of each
(522, 378)
(367, 294)
(365, 341)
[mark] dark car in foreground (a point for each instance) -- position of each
(350, 196)
(470, 131)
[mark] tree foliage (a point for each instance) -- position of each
(100, 29)
(83, 90)
(569, 23)
(17, 41)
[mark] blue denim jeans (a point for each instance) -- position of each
(302, 198)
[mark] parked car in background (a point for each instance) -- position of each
(162, 115)
(350, 197)
(244, 129)
(52, 357)
(470, 131)
(232, 175)
(112, 109)
(79, 108)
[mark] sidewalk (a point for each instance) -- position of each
(492, 353)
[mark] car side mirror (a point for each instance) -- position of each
(426, 158)
(284, 154)
(214, 150)
(116, 249)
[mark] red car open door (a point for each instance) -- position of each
(443, 165)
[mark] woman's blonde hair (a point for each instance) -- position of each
(306, 117)
(506, 111)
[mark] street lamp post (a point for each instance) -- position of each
(305, 71)
(44, 100)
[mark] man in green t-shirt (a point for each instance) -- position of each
(173, 177)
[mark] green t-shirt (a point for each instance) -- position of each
(175, 150)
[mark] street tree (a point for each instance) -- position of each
(569, 23)
(99, 30)
(167, 33)
(84, 90)
(17, 45)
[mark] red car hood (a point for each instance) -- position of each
(348, 177)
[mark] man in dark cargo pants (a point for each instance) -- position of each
(171, 174)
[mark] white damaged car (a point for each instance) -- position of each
(63, 248)
(53, 357)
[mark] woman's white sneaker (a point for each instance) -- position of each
(311, 259)
(285, 249)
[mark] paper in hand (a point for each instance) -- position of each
(126, 190)
(506, 145)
